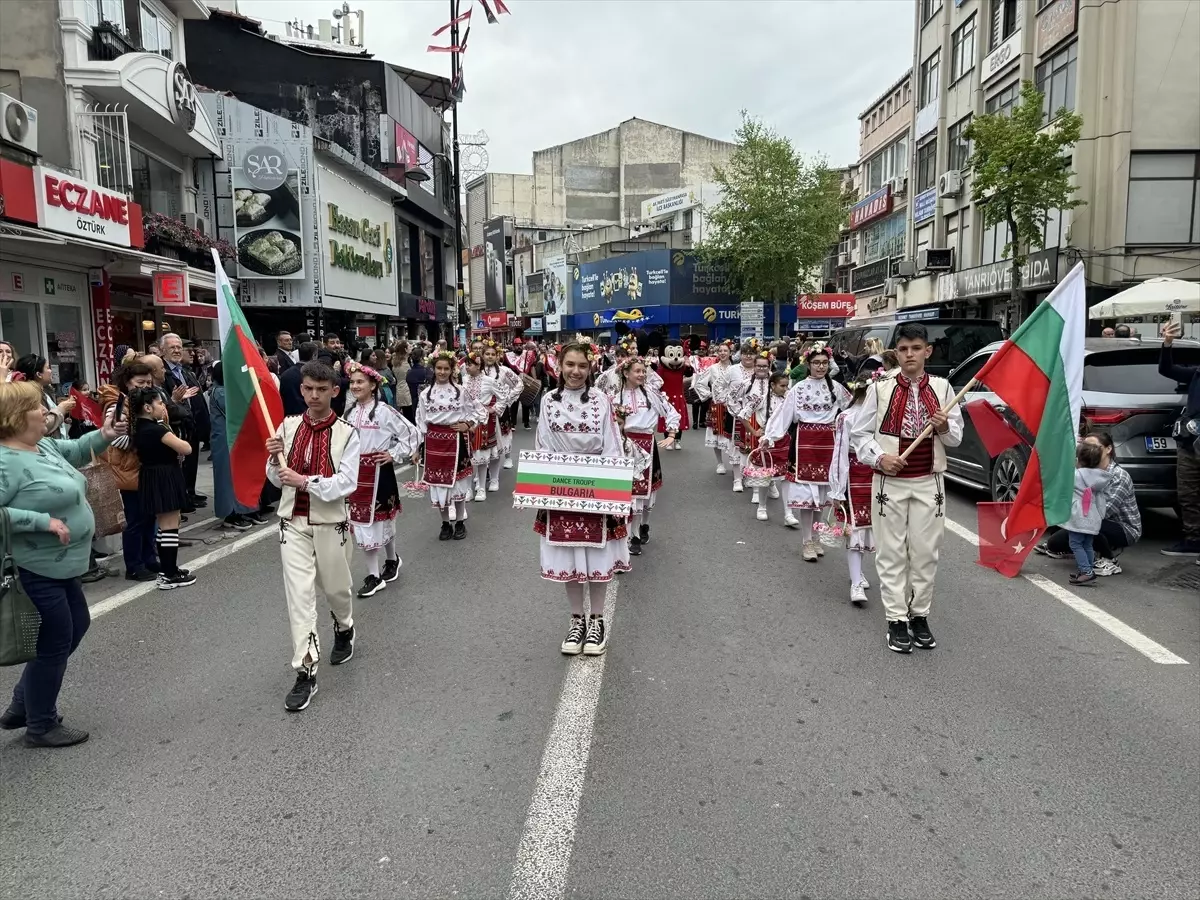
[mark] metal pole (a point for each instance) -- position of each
(459, 293)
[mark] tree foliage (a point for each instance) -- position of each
(1021, 171)
(777, 217)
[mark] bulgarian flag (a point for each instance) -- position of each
(1038, 375)
(249, 419)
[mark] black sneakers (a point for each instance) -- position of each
(371, 585)
(58, 736)
(447, 532)
(460, 530)
(898, 638)
(241, 523)
(921, 635)
(343, 644)
(644, 534)
(182, 578)
(635, 546)
(391, 570)
(596, 641)
(141, 575)
(301, 693)
(256, 517)
(572, 644)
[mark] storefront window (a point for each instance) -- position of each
(64, 342)
(405, 258)
(111, 11)
(884, 238)
(19, 326)
(427, 265)
(156, 186)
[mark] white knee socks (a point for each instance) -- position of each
(854, 558)
(493, 470)
(806, 523)
(445, 511)
(460, 510)
(481, 473)
(372, 561)
(720, 457)
(390, 549)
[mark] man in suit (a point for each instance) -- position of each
(284, 354)
(290, 380)
(188, 417)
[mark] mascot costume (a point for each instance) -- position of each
(673, 368)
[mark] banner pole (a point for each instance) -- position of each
(928, 430)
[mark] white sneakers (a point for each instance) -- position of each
(762, 514)
(858, 594)
(480, 495)
(721, 470)
(508, 462)
(809, 553)
(494, 485)
(754, 497)
(773, 491)
(737, 486)
(791, 521)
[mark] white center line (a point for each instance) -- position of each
(544, 856)
(1149, 648)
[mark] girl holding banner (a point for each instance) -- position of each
(638, 410)
(445, 416)
(581, 549)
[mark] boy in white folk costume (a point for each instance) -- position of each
(908, 510)
(314, 459)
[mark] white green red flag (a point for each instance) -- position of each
(246, 423)
(1038, 375)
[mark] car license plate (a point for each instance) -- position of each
(1159, 444)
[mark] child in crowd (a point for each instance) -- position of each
(161, 488)
(850, 483)
(1087, 510)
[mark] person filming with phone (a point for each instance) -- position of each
(1187, 444)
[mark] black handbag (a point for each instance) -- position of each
(19, 619)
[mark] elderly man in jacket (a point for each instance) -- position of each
(188, 413)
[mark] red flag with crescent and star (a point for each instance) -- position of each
(998, 549)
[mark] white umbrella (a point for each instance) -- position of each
(1153, 297)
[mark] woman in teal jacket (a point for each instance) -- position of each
(46, 499)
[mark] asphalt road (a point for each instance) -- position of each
(747, 735)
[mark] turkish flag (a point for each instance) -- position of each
(998, 550)
(995, 433)
(86, 409)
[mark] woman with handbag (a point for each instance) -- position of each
(46, 502)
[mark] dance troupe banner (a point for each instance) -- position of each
(574, 481)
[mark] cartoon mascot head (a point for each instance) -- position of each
(672, 354)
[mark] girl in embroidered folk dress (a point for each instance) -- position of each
(508, 389)
(445, 415)
(485, 438)
(639, 408)
(756, 412)
(713, 384)
(740, 378)
(580, 549)
(807, 413)
(850, 483)
(755, 396)
(384, 436)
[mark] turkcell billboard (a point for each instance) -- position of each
(693, 281)
(628, 281)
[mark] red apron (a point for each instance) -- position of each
(447, 457)
(860, 493)
(813, 446)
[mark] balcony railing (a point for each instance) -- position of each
(108, 42)
(104, 144)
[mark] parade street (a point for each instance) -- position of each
(747, 735)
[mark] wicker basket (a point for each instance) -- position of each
(416, 489)
(833, 528)
(758, 476)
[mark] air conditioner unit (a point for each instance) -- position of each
(936, 259)
(843, 259)
(891, 286)
(906, 268)
(18, 123)
(950, 184)
(899, 184)
(193, 221)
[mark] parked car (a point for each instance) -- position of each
(953, 341)
(1123, 394)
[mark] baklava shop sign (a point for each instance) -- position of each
(73, 206)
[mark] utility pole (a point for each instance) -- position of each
(459, 293)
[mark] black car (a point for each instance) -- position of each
(1123, 394)
(953, 341)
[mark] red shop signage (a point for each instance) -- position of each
(406, 148)
(873, 207)
(495, 319)
(825, 306)
(102, 327)
(171, 289)
(427, 307)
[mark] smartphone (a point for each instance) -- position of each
(118, 408)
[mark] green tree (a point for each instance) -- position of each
(1021, 171)
(777, 217)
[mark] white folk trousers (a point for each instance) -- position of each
(312, 555)
(909, 517)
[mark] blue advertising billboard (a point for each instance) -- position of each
(629, 281)
(693, 281)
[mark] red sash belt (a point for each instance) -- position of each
(447, 458)
(920, 461)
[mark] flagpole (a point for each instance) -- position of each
(455, 73)
(262, 403)
(928, 430)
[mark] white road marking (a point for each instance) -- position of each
(544, 856)
(116, 601)
(1149, 648)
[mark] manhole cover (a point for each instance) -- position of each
(1179, 577)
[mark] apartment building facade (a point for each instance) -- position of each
(1131, 69)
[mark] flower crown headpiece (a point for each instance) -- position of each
(878, 375)
(353, 367)
(763, 354)
(475, 357)
(626, 364)
(817, 349)
(444, 354)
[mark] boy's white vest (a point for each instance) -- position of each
(890, 443)
(320, 512)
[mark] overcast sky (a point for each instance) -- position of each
(556, 70)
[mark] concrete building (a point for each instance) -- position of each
(878, 221)
(680, 212)
(101, 134)
(1131, 69)
(583, 185)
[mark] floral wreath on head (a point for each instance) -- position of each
(446, 355)
(864, 382)
(817, 349)
(753, 342)
(372, 374)
(627, 363)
